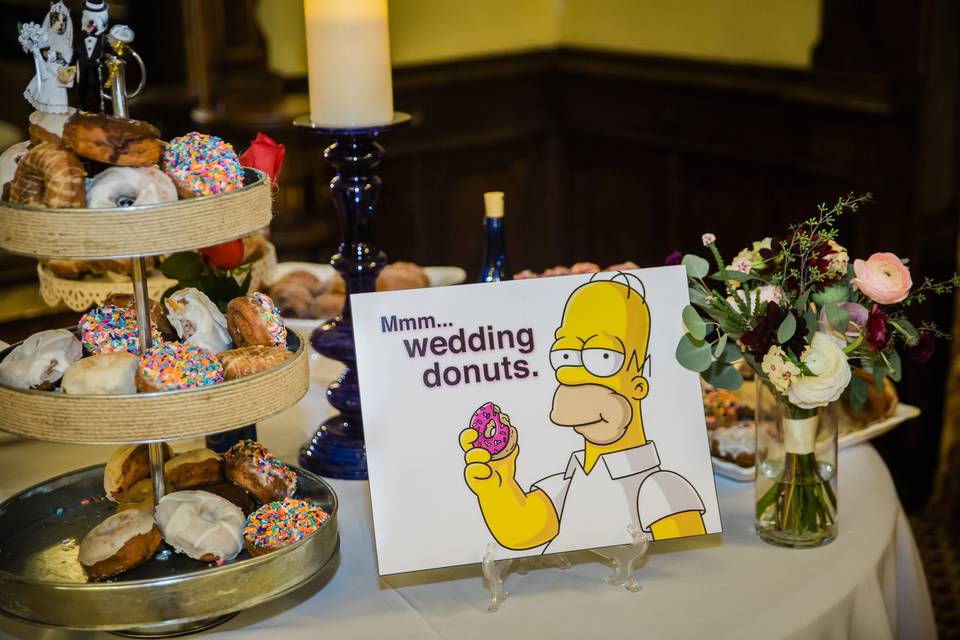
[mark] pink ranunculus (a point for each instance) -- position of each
(882, 278)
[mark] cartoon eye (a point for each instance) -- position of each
(602, 362)
(565, 358)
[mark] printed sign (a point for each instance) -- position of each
(544, 415)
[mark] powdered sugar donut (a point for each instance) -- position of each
(497, 435)
(130, 186)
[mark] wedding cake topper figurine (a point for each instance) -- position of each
(51, 45)
(90, 49)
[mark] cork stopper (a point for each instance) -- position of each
(493, 204)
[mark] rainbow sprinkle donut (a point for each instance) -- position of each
(278, 524)
(177, 365)
(202, 164)
(111, 328)
(270, 316)
(264, 476)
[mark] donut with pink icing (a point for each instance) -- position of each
(496, 434)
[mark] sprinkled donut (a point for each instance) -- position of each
(265, 477)
(110, 328)
(497, 435)
(255, 320)
(176, 365)
(203, 165)
(278, 524)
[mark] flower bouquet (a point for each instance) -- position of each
(799, 314)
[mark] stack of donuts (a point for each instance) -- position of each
(92, 160)
(194, 345)
(219, 506)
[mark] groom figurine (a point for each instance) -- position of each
(93, 28)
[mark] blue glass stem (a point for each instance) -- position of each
(494, 267)
(337, 448)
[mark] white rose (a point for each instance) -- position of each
(831, 373)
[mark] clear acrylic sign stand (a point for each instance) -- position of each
(624, 560)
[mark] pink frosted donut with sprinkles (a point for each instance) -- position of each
(177, 365)
(266, 478)
(495, 433)
(203, 165)
(278, 524)
(111, 328)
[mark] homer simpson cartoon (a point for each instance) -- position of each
(598, 358)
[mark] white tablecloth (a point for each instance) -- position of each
(867, 584)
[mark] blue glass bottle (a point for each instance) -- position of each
(494, 267)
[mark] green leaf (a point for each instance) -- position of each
(905, 328)
(810, 319)
(731, 353)
(694, 323)
(857, 392)
(896, 366)
(721, 344)
(838, 316)
(697, 297)
(245, 284)
(694, 355)
(879, 373)
(787, 328)
(801, 303)
(729, 274)
(696, 266)
(184, 265)
(835, 293)
(723, 376)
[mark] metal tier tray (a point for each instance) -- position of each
(151, 417)
(147, 230)
(42, 582)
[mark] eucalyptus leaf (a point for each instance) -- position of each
(183, 265)
(838, 316)
(729, 274)
(810, 319)
(879, 373)
(694, 355)
(696, 266)
(718, 349)
(896, 366)
(694, 323)
(697, 297)
(731, 353)
(801, 303)
(857, 392)
(723, 376)
(835, 293)
(787, 328)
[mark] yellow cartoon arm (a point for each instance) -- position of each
(516, 519)
(679, 525)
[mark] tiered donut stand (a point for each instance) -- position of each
(40, 528)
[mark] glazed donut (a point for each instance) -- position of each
(584, 267)
(67, 269)
(292, 298)
(105, 374)
(327, 305)
(246, 361)
(255, 320)
(266, 478)
(201, 525)
(112, 140)
(192, 469)
(139, 496)
(202, 165)
(110, 328)
(48, 127)
(175, 365)
(126, 466)
(496, 434)
(48, 176)
(279, 524)
(121, 542)
(130, 186)
(401, 275)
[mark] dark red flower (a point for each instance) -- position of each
(923, 350)
(266, 155)
(758, 340)
(878, 334)
(673, 259)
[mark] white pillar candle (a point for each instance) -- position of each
(348, 62)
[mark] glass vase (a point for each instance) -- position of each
(796, 478)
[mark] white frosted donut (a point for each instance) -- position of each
(129, 186)
(201, 525)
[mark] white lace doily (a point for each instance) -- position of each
(80, 295)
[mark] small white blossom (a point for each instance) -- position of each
(708, 239)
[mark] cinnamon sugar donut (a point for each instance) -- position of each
(121, 542)
(49, 176)
(111, 140)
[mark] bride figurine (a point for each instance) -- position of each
(52, 48)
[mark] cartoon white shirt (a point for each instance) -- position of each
(626, 486)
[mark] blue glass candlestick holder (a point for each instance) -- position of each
(337, 449)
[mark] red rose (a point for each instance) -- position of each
(266, 155)
(224, 256)
(878, 338)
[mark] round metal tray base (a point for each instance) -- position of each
(41, 581)
(175, 629)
